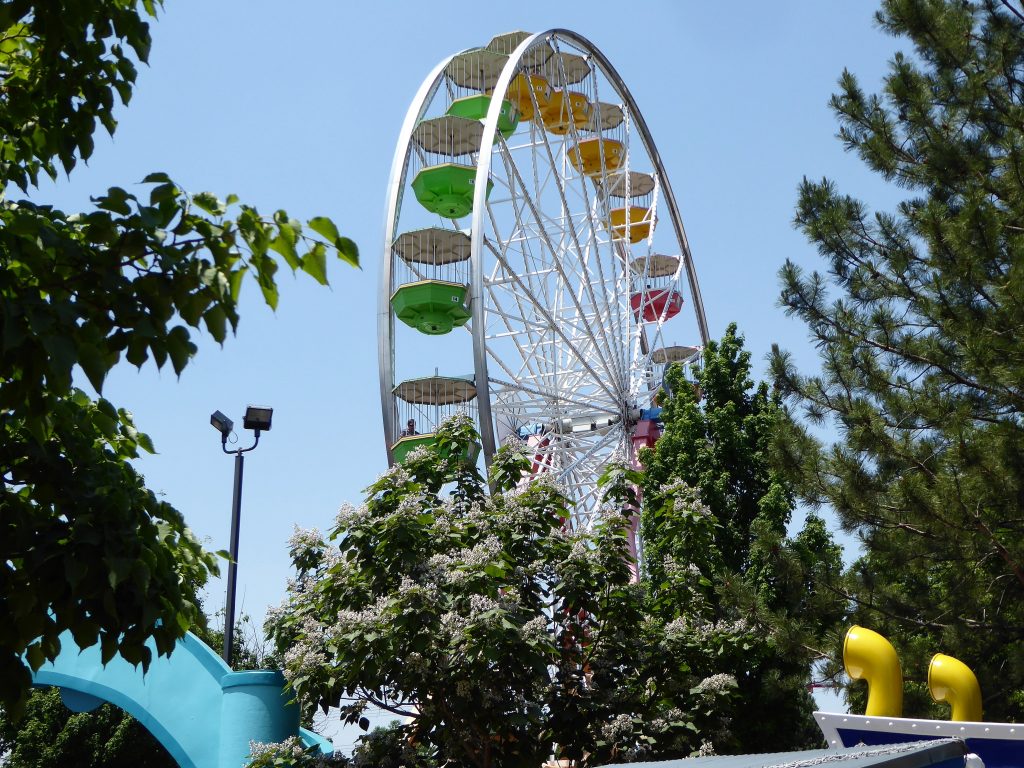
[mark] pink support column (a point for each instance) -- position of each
(645, 435)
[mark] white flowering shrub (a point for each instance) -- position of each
(500, 637)
(292, 754)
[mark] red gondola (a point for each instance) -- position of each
(653, 303)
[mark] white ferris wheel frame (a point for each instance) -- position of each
(478, 306)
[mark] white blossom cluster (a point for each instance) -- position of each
(673, 715)
(306, 655)
(617, 729)
(685, 498)
(460, 420)
(535, 630)
(415, 662)
(301, 586)
(289, 748)
(514, 515)
(275, 613)
(418, 453)
(480, 604)
(481, 554)
(680, 489)
(350, 516)
(412, 505)
(455, 568)
(396, 474)
(581, 556)
(716, 683)
(369, 618)
(706, 749)
(677, 570)
(331, 556)
(701, 630)
(303, 538)
(453, 625)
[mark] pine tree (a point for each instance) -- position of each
(918, 321)
(716, 553)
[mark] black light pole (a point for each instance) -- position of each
(258, 419)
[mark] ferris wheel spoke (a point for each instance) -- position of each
(617, 341)
(551, 249)
(533, 329)
(621, 331)
(549, 395)
(553, 323)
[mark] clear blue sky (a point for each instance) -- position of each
(300, 108)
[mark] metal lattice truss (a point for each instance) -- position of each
(563, 364)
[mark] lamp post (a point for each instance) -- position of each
(257, 418)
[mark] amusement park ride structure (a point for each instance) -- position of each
(528, 205)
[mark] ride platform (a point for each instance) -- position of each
(564, 110)
(432, 307)
(475, 108)
(631, 223)
(654, 304)
(405, 445)
(447, 189)
(592, 157)
(433, 246)
(519, 91)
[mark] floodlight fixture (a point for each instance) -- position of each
(222, 423)
(257, 417)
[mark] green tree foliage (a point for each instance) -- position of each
(918, 319)
(84, 545)
(49, 735)
(498, 633)
(753, 602)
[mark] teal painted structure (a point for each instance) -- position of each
(202, 712)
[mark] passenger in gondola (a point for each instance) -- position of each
(410, 428)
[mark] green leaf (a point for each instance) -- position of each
(325, 227)
(216, 322)
(108, 647)
(116, 200)
(315, 263)
(348, 251)
(209, 203)
(179, 348)
(265, 269)
(235, 282)
(94, 362)
(286, 247)
(162, 192)
(35, 656)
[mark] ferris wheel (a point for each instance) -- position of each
(536, 274)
